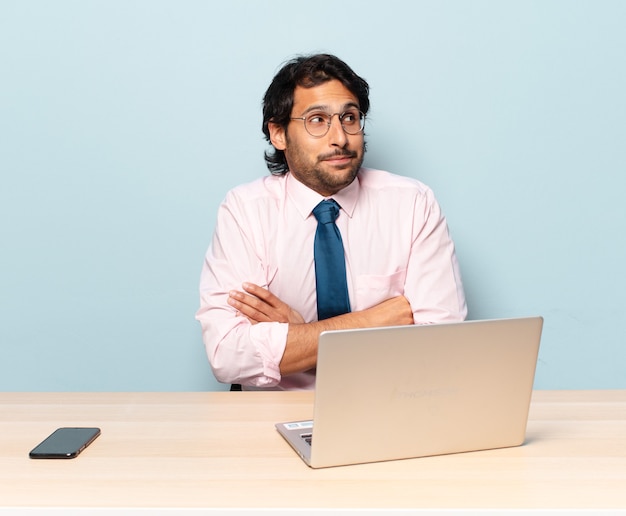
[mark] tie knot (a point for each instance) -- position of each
(326, 212)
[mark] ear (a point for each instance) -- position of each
(277, 136)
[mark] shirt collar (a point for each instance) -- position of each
(306, 199)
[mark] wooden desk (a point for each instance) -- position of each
(220, 450)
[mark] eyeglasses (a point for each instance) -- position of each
(318, 124)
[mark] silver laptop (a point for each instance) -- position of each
(414, 391)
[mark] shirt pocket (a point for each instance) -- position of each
(372, 289)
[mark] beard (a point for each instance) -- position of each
(321, 175)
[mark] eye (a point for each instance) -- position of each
(317, 119)
(350, 118)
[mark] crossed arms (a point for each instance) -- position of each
(260, 305)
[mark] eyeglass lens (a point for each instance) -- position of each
(318, 124)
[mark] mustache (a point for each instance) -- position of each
(338, 153)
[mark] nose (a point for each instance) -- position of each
(336, 134)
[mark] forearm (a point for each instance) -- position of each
(301, 348)
(239, 352)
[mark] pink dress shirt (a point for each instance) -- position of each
(396, 243)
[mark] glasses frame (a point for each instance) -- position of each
(330, 121)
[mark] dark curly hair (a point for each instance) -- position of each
(305, 71)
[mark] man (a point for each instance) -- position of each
(259, 299)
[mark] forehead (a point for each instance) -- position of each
(331, 95)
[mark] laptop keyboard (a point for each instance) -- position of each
(307, 437)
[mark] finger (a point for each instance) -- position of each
(261, 293)
(251, 301)
(247, 310)
(270, 308)
(240, 314)
(255, 307)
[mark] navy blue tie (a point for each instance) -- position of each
(330, 263)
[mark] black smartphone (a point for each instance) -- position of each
(64, 443)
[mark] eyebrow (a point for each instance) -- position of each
(325, 108)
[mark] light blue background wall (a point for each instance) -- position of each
(124, 123)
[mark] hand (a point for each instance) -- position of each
(260, 305)
(392, 312)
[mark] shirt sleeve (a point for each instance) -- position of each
(433, 284)
(238, 351)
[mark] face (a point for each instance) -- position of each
(325, 164)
